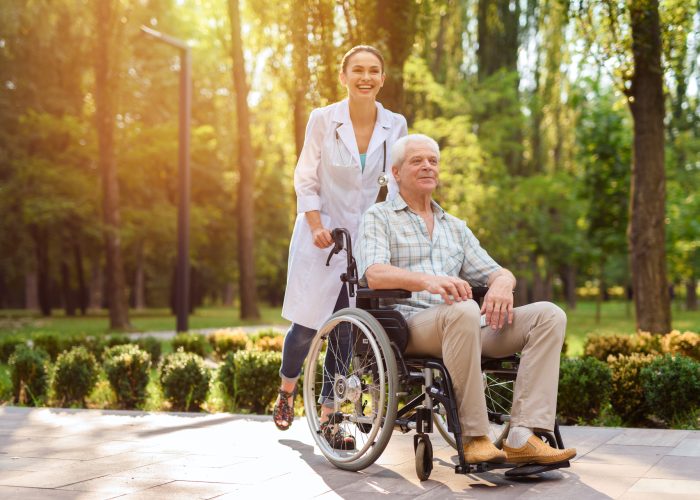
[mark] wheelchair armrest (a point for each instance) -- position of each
(394, 293)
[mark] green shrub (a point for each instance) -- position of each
(270, 343)
(127, 368)
(152, 346)
(185, 379)
(255, 379)
(49, 343)
(686, 344)
(267, 333)
(671, 386)
(29, 374)
(627, 396)
(602, 346)
(7, 346)
(225, 341)
(227, 375)
(191, 342)
(75, 375)
(584, 388)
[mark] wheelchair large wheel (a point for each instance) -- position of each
(351, 366)
(498, 391)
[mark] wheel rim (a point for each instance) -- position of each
(360, 390)
(498, 391)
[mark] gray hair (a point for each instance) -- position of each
(398, 150)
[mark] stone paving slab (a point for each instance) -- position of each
(90, 454)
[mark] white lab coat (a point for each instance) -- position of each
(328, 178)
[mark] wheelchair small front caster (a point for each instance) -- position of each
(424, 456)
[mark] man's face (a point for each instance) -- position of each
(419, 172)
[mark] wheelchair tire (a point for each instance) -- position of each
(363, 390)
(424, 458)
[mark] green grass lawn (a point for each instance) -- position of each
(147, 320)
(616, 317)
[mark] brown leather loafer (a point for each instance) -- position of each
(481, 449)
(535, 451)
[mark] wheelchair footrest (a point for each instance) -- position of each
(531, 469)
(479, 467)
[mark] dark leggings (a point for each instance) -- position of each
(298, 341)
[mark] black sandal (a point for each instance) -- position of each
(337, 438)
(282, 412)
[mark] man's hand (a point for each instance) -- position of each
(450, 288)
(498, 302)
(322, 237)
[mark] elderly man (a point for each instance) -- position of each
(411, 243)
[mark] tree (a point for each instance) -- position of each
(108, 29)
(246, 257)
(647, 238)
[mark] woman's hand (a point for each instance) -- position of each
(322, 237)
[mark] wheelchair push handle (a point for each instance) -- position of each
(342, 240)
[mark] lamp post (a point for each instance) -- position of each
(182, 275)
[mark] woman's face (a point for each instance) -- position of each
(363, 76)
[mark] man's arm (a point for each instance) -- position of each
(386, 276)
(498, 303)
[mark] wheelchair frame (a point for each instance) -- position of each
(419, 413)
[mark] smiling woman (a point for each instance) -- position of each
(341, 168)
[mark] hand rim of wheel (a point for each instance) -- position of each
(309, 403)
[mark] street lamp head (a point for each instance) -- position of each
(167, 39)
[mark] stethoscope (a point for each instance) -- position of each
(382, 180)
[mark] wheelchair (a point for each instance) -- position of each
(370, 378)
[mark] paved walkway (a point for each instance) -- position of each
(89, 454)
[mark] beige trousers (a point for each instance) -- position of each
(453, 333)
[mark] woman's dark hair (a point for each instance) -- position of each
(360, 48)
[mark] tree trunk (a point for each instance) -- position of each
(96, 284)
(139, 281)
(497, 36)
(229, 293)
(691, 294)
(80, 275)
(41, 248)
(107, 26)
(246, 187)
(568, 279)
(67, 289)
(31, 291)
(300, 64)
(647, 212)
(325, 20)
(396, 22)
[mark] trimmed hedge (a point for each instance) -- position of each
(602, 346)
(185, 380)
(671, 386)
(627, 396)
(29, 375)
(191, 342)
(75, 375)
(686, 344)
(274, 344)
(127, 368)
(227, 341)
(152, 346)
(584, 388)
(8, 343)
(251, 379)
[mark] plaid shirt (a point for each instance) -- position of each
(391, 233)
